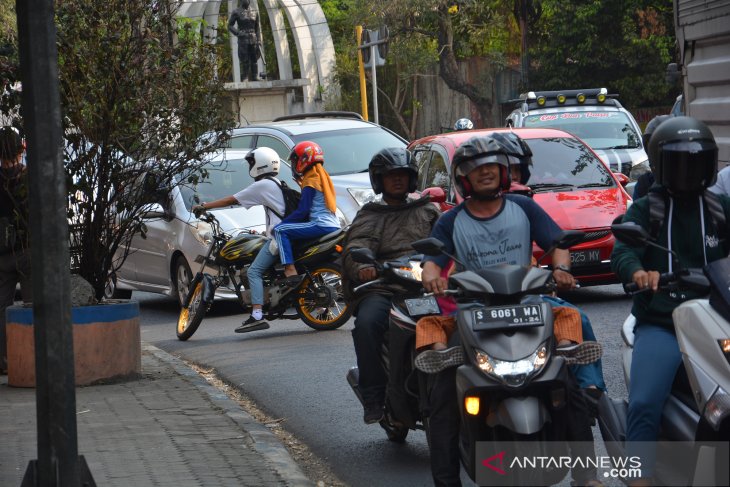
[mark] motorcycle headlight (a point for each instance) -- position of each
(515, 373)
(413, 272)
(362, 195)
(203, 233)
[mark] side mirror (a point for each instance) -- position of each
(154, 210)
(362, 256)
(437, 194)
(570, 238)
(631, 234)
(428, 246)
(622, 179)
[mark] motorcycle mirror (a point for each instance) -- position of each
(429, 246)
(631, 234)
(570, 238)
(362, 256)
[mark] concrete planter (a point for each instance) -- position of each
(106, 343)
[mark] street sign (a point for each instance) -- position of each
(377, 38)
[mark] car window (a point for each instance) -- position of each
(438, 173)
(241, 142)
(225, 178)
(567, 161)
(273, 143)
(350, 151)
(421, 157)
(600, 130)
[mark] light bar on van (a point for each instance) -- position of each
(580, 97)
(602, 95)
(541, 100)
(561, 98)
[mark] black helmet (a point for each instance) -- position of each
(651, 127)
(489, 149)
(388, 160)
(684, 154)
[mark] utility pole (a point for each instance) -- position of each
(372, 39)
(58, 462)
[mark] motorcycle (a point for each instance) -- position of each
(698, 408)
(511, 387)
(317, 298)
(404, 396)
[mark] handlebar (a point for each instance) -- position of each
(665, 279)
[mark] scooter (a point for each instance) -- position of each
(405, 394)
(512, 388)
(698, 408)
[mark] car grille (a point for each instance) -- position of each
(595, 235)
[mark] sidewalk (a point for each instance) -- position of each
(168, 428)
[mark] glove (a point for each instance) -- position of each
(198, 210)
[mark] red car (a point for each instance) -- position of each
(567, 179)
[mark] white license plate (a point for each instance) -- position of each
(514, 316)
(422, 306)
(585, 257)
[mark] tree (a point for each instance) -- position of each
(137, 91)
(624, 46)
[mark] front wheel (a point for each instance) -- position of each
(192, 315)
(321, 303)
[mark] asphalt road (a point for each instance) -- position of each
(298, 374)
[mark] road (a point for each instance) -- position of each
(298, 374)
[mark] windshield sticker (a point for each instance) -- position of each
(572, 116)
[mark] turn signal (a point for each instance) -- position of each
(338, 249)
(561, 99)
(471, 404)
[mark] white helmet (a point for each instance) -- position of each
(262, 161)
(463, 124)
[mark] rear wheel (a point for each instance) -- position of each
(321, 303)
(192, 315)
(181, 279)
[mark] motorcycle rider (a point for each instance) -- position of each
(263, 166)
(488, 228)
(387, 227)
(463, 124)
(684, 155)
(647, 179)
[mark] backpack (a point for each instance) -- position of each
(657, 211)
(291, 198)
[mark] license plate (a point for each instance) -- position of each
(515, 316)
(422, 306)
(585, 257)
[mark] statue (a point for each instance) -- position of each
(244, 24)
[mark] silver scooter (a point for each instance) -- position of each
(698, 409)
(512, 388)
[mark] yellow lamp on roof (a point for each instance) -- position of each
(580, 97)
(541, 100)
(601, 97)
(561, 98)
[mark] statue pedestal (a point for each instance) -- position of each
(263, 101)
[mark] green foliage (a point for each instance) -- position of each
(621, 45)
(138, 90)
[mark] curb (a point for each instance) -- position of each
(266, 443)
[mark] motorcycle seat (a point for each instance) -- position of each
(303, 244)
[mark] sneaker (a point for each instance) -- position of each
(434, 361)
(252, 324)
(580, 353)
(374, 413)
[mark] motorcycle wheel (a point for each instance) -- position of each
(328, 310)
(191, 315)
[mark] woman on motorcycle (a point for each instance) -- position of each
(683, 153)
(315, 215)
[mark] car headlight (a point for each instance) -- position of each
(414, 272)
(362, 195)
(515, 373)
(203, 233)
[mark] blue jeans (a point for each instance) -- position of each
(589, 374)
(654, 363)
(286, 232)
(263, 261)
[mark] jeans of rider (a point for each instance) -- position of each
(14, 269)
(443, 420)
(589, 374)
(263, 261)
(371, 325)
(286, 232)
(654, 364)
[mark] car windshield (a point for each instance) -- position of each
(563, 163)
(350, 151)
(225, 178)
(600, 130)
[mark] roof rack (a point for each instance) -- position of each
(549, 99)
(332, 114)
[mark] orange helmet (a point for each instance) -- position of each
(305, 155)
